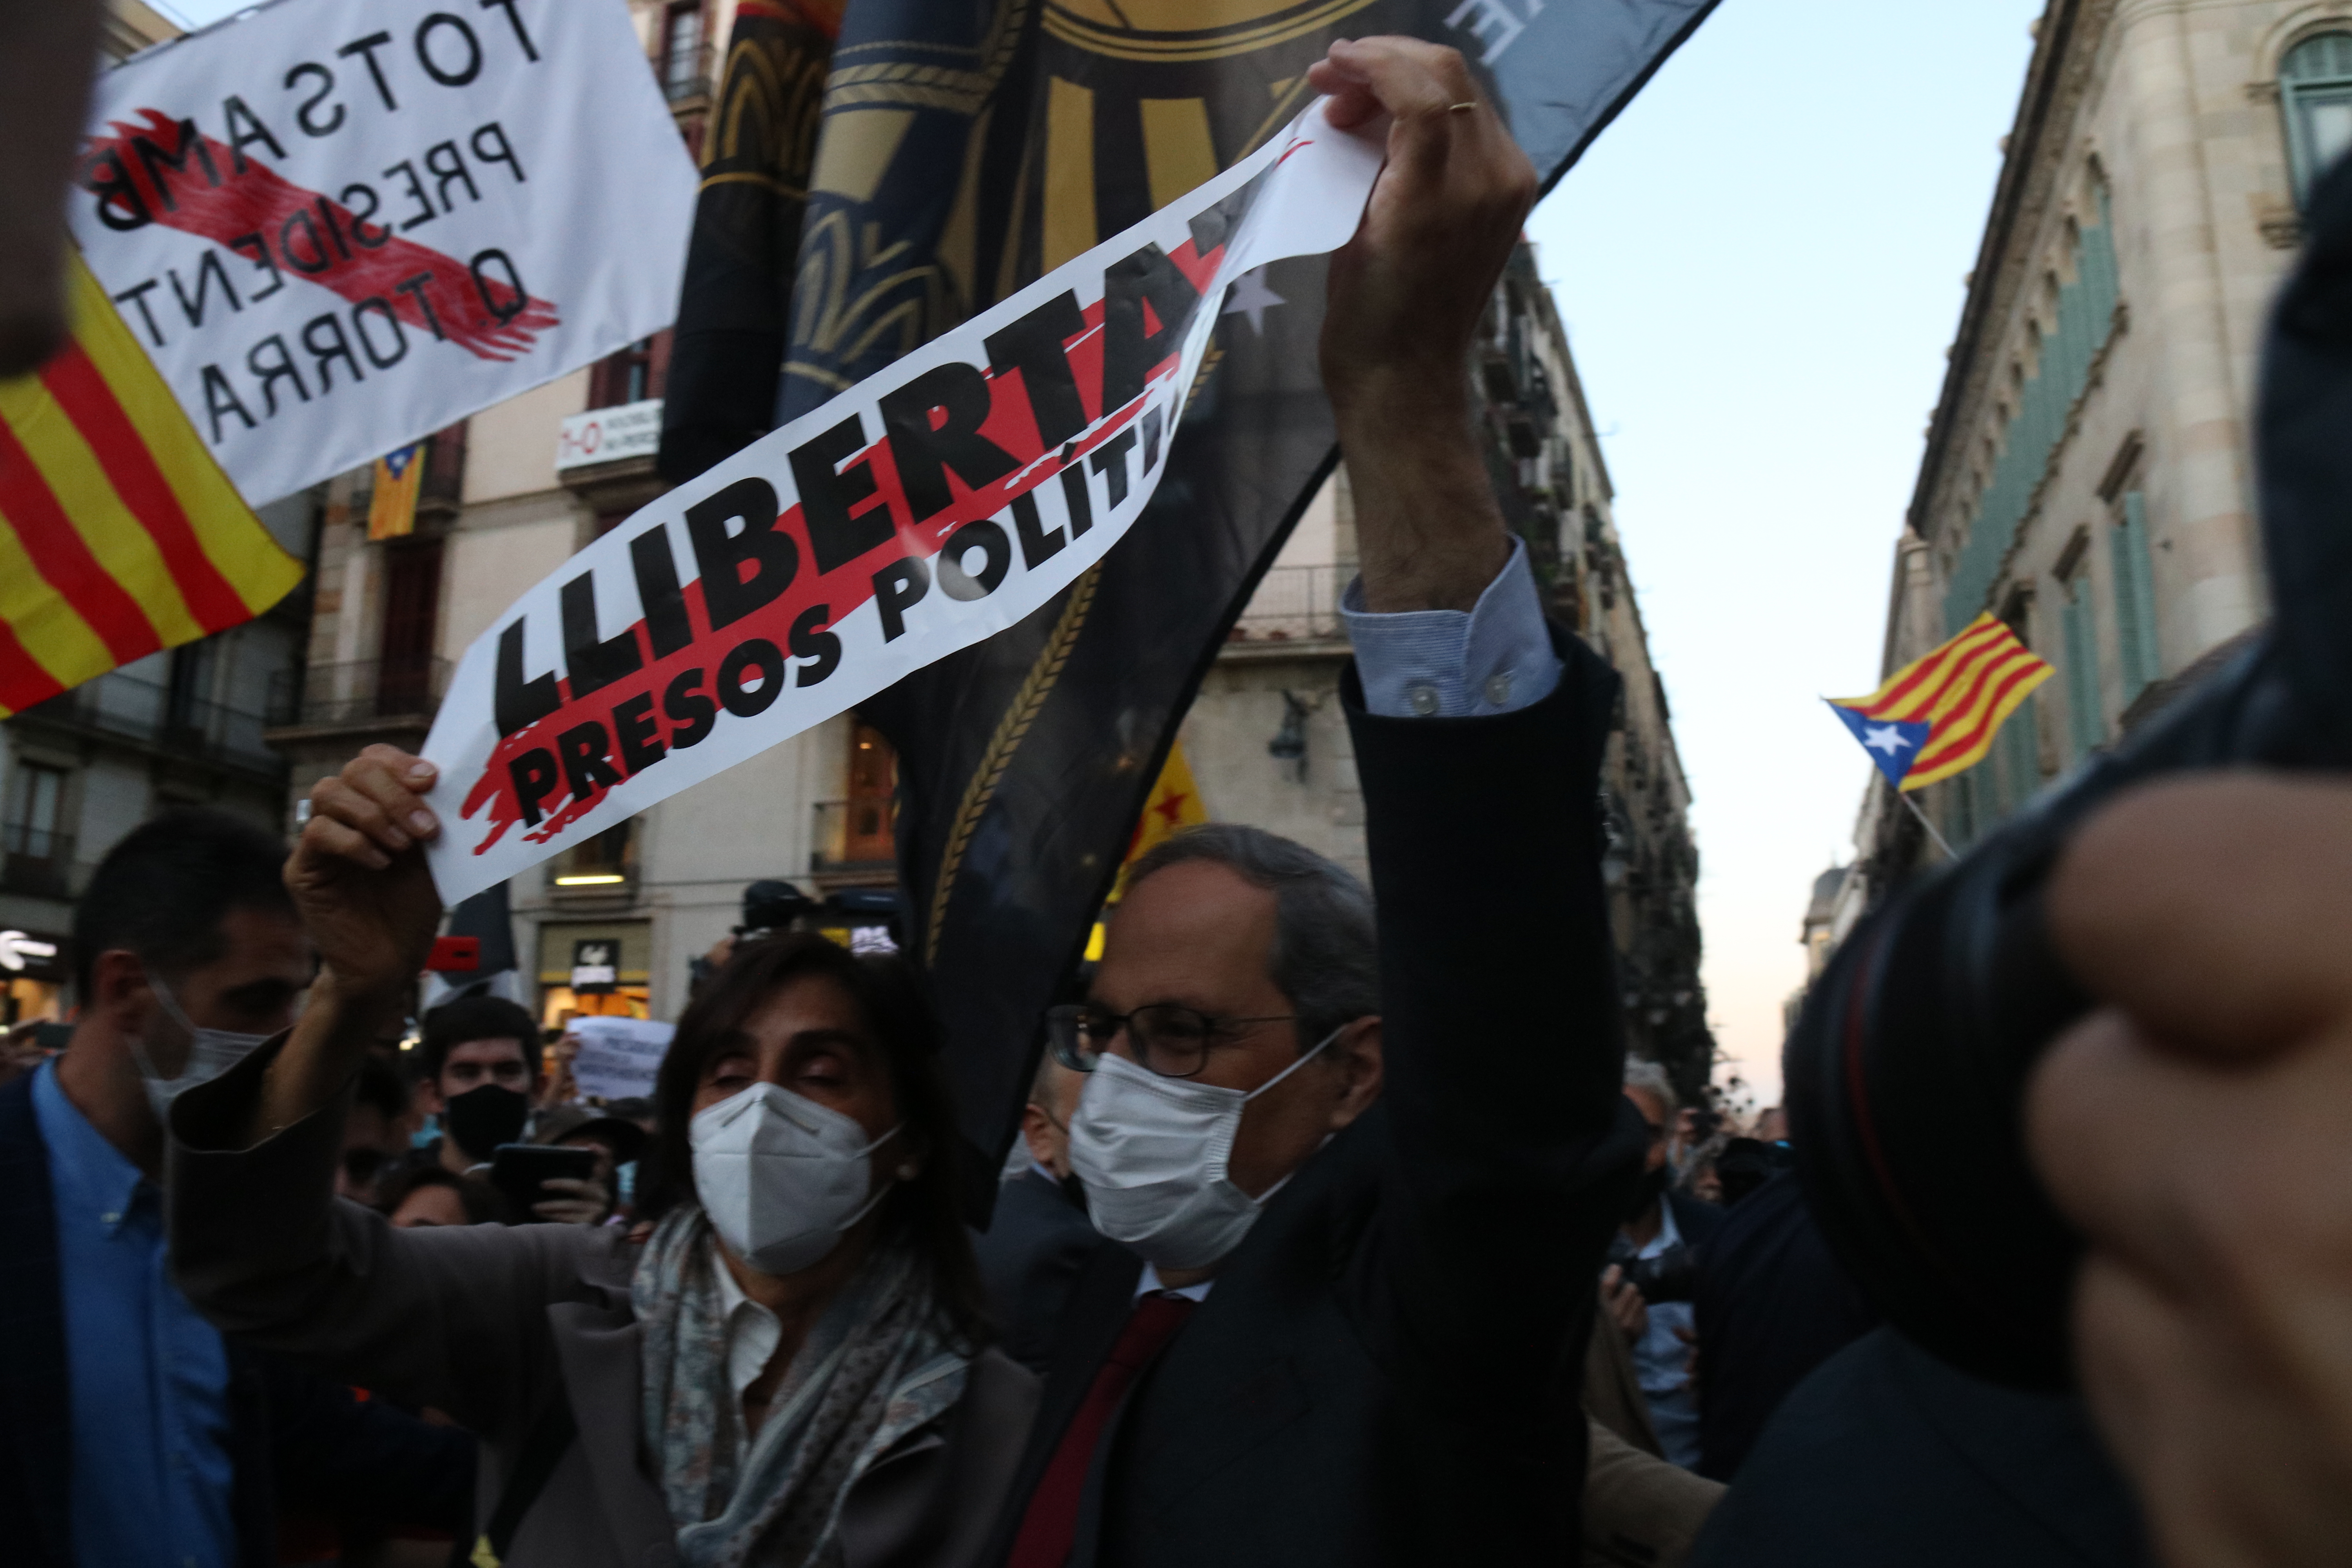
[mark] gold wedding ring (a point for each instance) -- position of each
(1460, 107)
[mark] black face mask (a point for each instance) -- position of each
(482, 1119)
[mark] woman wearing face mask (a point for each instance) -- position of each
(789, 1371)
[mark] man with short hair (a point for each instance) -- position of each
(1370, 1164)
(1039, 1240)
(479, 1062)
(128, 1436)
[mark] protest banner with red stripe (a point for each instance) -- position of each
(925, 508)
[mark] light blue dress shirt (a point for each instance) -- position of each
(148, 1377)
(1494, 657)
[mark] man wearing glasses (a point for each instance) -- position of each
(1366, 1167)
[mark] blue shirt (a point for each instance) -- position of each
(1494, 658)
(148, 1377)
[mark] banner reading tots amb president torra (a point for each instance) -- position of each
(338, 226)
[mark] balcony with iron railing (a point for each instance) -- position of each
(362, 694)
(854, 843)
(1294, 604)
(126, 707)
(36, 861)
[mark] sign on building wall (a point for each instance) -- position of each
(929, 507)
(609, 435)
(337, 226)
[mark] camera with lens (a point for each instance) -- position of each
(1671, 1275)
(771, 906)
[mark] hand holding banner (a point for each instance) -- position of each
(923, 510)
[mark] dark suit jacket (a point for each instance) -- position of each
(1772, 1304)
(1886, 1455)
(1387, 1369)
(282, 1422)
(1031, 1256)
(1697, 1219)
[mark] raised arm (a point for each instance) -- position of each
(358, 878)
(1508, 1162)
(453, 1318)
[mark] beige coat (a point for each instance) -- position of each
(1639, 1510)
(490, 1323)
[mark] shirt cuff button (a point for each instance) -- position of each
(1422, 696)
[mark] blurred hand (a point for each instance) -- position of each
(586, 1203)
(2196, 1130)
(1626, 1308)
(1404, 300)
(358, 872)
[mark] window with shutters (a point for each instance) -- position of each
(2085, 722)
(34, 801)
(2315, 94)
(2135, 589)
(412, 607)
(632, 375)
(872, 829)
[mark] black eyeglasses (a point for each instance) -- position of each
(1167, 1039)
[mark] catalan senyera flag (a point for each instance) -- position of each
(119, 534)
(391, 510)
(1938, 715)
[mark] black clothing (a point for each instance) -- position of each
(1387, 1369)
(1772, 1305)
(1036, 1246)
(1886, 1455)
(287, 1427)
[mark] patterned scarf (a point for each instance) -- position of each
(875, 1368)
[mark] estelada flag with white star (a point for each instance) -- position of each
(1938, 715)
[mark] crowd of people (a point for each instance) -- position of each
(1340, 1231)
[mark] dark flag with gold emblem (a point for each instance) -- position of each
(964, 150)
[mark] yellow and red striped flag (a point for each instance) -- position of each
(119, 534)
(1938, 714)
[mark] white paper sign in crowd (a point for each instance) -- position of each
(338, 226)
(924, 508)
(619, 1058)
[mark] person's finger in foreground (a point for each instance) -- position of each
(2194, 1129)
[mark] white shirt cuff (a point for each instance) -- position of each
(1496, 657)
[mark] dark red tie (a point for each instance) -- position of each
(1051, 1526)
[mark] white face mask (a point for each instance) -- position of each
(781, 1176)
(1152, 1154)
(211, 1052)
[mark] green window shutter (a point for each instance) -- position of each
(2085, 725)
(2135, 646)
(2022, 737)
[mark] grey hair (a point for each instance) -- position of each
(1326, 956)
(1651, 1077)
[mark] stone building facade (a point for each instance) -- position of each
(1267, 743)
(2088, 476)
